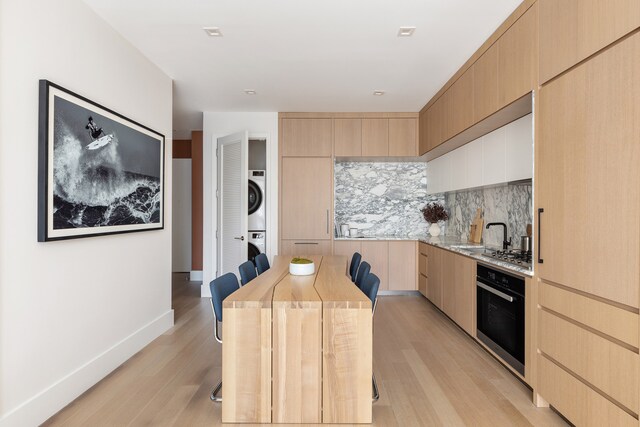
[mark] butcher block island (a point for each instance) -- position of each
(298, 349)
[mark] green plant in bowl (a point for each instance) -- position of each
(301, 261)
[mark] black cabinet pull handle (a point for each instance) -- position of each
(305, 243)
(540, 211)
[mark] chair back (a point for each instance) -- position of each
(247, 272)
(221, 288)
(370, 288)
(262, 263)
(363, 272)
(353, 267)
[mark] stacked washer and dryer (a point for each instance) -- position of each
(257, 213)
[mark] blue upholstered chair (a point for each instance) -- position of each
(363, 272)
(220, 288)
(370, 288)
(262, 263)
(353, 267)
(247, 272)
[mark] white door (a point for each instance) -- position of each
(232, 152)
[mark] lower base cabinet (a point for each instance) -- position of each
(449, 283)
(394, 262)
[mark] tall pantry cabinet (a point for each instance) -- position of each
(587, 196)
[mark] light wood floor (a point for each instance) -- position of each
(430, 373)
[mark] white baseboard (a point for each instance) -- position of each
(48, 402)
(195, 276)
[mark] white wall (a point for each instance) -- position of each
(71, 311)
(221, 124)
(181, 241)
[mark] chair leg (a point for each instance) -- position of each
(376, 394)
(214, 394)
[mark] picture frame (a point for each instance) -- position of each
(99, 172)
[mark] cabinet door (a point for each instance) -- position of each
(346, 248)
(347, 137)
(403, 137)
(375, 137)
(377, 254)
(464, 279)
(517, 58)
(434, 279)
(572, 30)
(587, 159)
(402, 266)
(305, 247)
(435, 121)
(307, 137)
(460, 105)
(423, 133)
(448, 284)
(519, 146)
(485, 84)
(306, 198)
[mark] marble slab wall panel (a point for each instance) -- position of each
(381, 198)
(511, 204)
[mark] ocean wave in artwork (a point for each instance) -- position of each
(91, 188)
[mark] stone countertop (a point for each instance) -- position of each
(390, 237)
(448, 243)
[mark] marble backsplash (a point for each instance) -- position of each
(508, 203)
(381, 198)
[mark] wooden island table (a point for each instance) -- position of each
(298, 349)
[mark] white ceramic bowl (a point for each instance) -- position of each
(302, 269)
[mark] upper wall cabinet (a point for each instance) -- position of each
(403, 137)
(517, 58)
(347, 137)
(307, 137)
(375, 137)
(572, 30)
(485, 87)
(503, 155)
(459, 104)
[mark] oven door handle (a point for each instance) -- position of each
(495, 291)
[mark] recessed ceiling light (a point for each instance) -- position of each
(250, 91)
(378, 92)
(213, 31)
(406, 31)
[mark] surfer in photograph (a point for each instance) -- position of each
(93, 128)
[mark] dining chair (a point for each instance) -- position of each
(221, 288)
(262, 263)
(363, 272)
(353, 267)
(370, 288)
(247, 272)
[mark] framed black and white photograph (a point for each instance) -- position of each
(98, 171)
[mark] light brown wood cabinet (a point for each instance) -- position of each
(423, 146)
(572, 30)
(346, 248)
(518, 58)
(306, 198)
(377, 254)
(403, 137)
(588, 152)
(305, 247)
(460, 105)
(458, 289)
(402, 266)
(347, 137)
(485, 87)
(435, 277)
(435, 123)
(307, 137)
(375, 137)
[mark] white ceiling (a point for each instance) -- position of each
(303, 55)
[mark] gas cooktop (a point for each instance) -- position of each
(515, 257)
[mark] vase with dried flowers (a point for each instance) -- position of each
(434, 213)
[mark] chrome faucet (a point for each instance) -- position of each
(505, 243)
